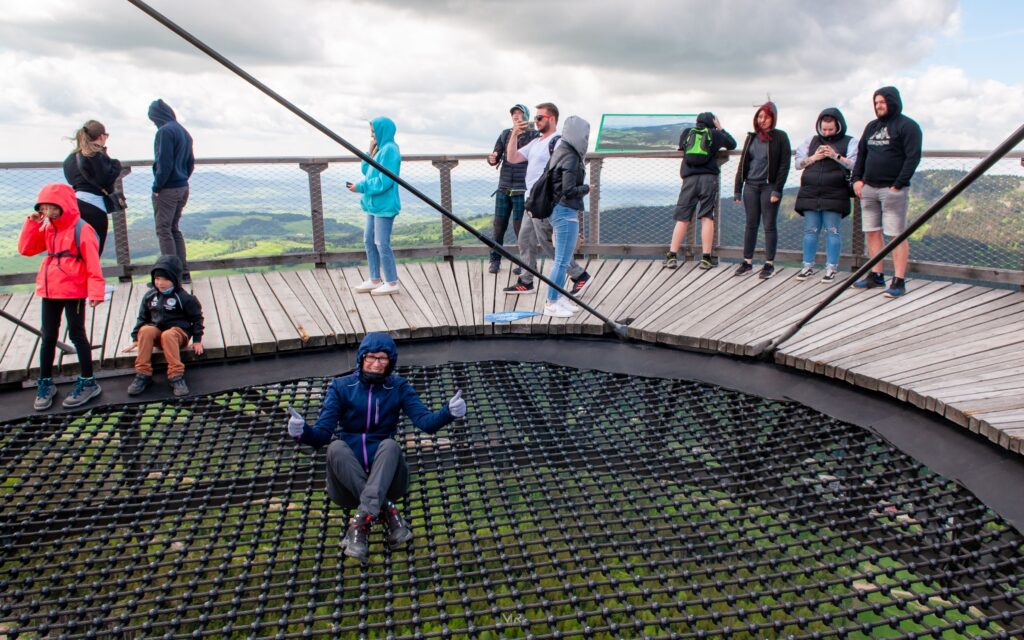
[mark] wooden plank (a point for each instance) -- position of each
(460, 270)
(418, 326)
(327, 303)
(286, 333)
(15, 305)
(476, 271)
(261, 337)
(17, 360)
(713, 286)
(311, 327)
(490, 285)
(677, 300)
(397, 326)
(213, 338)
(437, 312)
(652, 285)
(120, 309)
(692, 327)
(447, 279)
(616, 285)
(431, 282)
(503, 301)
(730, 316)
(427, 323)
(233, 332)
(369, 315)
(314, 304)
(123, 359)
(339, 282)
(597, 269)
(672, 292)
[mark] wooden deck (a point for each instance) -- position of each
(954, 349)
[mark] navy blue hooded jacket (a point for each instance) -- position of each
(890, 149)
(173, 161)
(364, 414)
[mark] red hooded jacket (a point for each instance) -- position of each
(66, 277)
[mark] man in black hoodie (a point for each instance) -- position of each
(173, 163)
(887, 156)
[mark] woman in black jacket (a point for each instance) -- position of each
(760, 179)
(92, 174)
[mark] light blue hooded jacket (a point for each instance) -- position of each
(380, 193)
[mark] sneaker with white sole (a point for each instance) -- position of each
(580, 284)
(386, 289)
(45, 390)
(85, 389)
(830, 274)
(565, 304)
(556, 310)
(367, 286)
(806, 272)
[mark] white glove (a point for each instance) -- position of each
(296, 423)
(457, 405)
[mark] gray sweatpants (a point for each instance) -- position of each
(535, 238)
(349, 486)
(167, 208)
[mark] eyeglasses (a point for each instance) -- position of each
(541, 117)
(382, 359)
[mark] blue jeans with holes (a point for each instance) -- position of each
(814, 222)
(566, 226)
(377, 239)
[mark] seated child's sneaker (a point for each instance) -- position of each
(139, 384)
(178, 386)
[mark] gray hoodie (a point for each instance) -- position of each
(567, 163)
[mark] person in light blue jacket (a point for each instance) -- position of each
(381, 203)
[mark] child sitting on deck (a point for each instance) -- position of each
(172, 316)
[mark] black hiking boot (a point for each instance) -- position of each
(356, 543)
(397, 530)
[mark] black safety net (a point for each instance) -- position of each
(569, 503)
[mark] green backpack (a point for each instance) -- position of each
(697, 146)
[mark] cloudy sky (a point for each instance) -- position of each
(447, 70)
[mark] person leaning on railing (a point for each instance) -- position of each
(92, 174)
(358, 422)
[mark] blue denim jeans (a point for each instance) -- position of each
(377, 239)
(566, 228)
(814, 222)
(506, 206)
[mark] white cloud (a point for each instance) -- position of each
(448, 71)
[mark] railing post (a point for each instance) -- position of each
(445, 168)
(594, 217)
(316, 208)
(120, 222)
(858, 249)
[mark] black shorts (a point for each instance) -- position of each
(698, 194)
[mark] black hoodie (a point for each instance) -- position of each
(720, 139)
(824, 185)
(178, 308)
(890, 148)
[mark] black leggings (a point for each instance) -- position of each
(757, 201)
(74, 311)
(97, 219)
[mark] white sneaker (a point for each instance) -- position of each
(367, 286)
(565, 304)
(556, 310)
(386, 289)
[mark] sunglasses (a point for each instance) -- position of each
(541, 117)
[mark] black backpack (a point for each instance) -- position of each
(697, 146)
(541, 202)
(79, 224)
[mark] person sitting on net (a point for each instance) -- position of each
(357, 422)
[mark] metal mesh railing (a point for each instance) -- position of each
(569, 503)
(262, 208)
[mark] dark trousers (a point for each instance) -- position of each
(167, 208)
(95, 218)
(349, 486)
(757, 201)
(74, 311)
(506, 207)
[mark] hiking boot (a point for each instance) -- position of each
(806, 272)
(707, 261)
(830, 274)
(520, 287)
(897, 288)
(494, 266)
(139, 384)
(744, 268)
(767, 271)
(671, 261)
(356, 543)
(45, 390)
(85, 389)
(873, 281)
(397, 531)
(580, 284)
(178, 386)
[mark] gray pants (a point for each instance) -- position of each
(535, 238)
(349, 486)
(167, 208)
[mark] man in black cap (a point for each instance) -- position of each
(509, 199)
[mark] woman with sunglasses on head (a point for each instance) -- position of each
(92, 173)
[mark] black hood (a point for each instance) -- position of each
(707, 119)
(836, 115)
(170, 264)
(161, 113)
(892, 99)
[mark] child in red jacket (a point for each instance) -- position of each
(70, 274)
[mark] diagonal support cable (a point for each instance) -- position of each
(616, 327)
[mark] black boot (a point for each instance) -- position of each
(356, 543)
(397, 531)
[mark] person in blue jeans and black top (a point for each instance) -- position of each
(357, 423)
(569, 179)
(824, 197)
(760, 179)
(382, 204)
(510, 198)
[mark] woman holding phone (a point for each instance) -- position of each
(381, 203)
